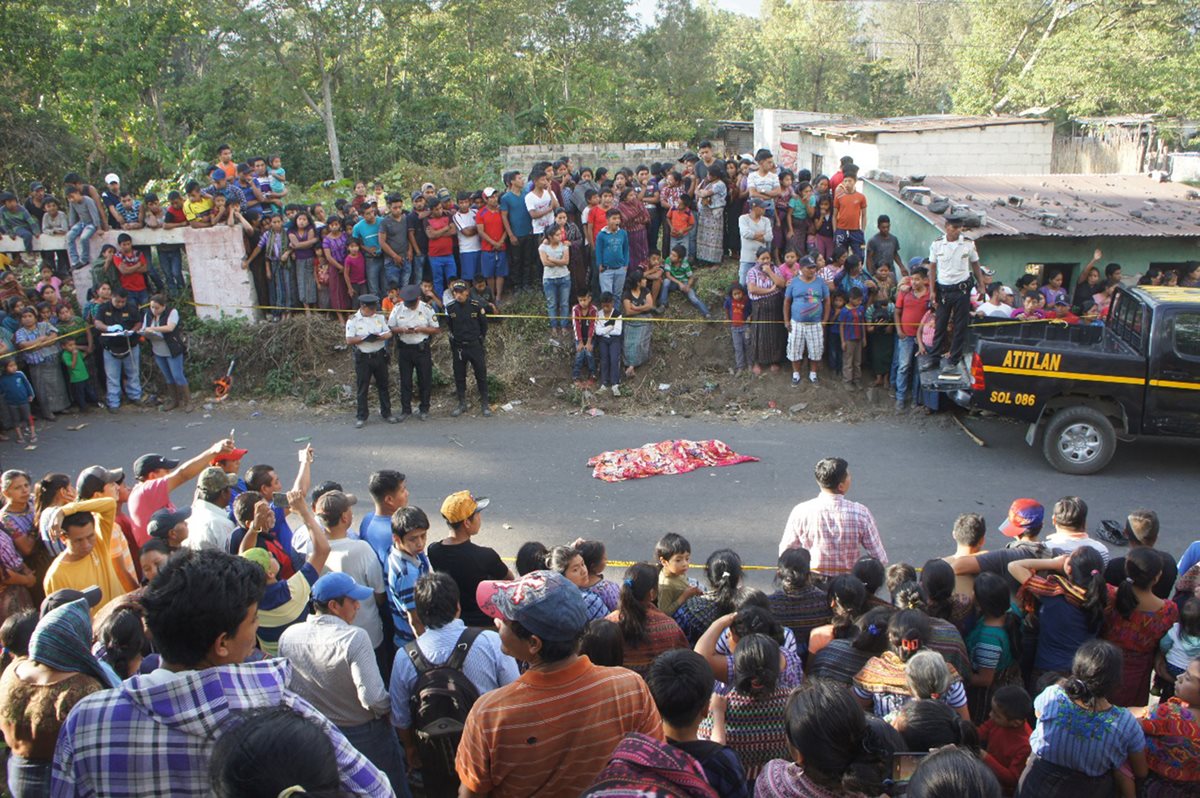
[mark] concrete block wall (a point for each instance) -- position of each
(993, 149)
(611, 155)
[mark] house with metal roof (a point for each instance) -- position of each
(943, 144)
(1039, 224)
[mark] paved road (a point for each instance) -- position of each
(916, 477)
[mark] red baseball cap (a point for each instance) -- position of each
(231, 456)
(1023, 515)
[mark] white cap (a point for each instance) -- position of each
(111, 177)
(1004, 289)
(489, 191)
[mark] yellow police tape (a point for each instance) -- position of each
(651, 319)
(698, 566)
(544, 317)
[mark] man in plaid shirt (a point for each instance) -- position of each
(154, 735)
(830, 526)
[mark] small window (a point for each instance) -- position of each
(818, 166)
(1187, 335)
(1125, 319)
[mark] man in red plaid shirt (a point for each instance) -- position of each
(830, 526)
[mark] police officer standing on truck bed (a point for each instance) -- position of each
(468, 326)
(367, 331)
(952, 263)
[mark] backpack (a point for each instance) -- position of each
(439, 704)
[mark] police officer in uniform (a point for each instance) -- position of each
(412, 322)
(468, 326)
(368, 333)
(953, 261)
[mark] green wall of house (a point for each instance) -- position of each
(1010, 257)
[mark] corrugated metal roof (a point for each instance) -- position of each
(908, 124)
(1086, 205)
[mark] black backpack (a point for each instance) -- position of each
(440, 702)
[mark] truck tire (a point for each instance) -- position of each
(1079, 440)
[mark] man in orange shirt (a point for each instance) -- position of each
(564, 715)
(850, 215)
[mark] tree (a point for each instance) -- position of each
(1083, 57)
(312, 42)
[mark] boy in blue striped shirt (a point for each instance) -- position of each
(406, 563)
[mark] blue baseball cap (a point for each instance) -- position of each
(916, 261)
(544, 602)
(337, 585)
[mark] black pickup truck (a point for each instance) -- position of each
(1084, 387)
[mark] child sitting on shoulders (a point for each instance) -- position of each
(674, 554)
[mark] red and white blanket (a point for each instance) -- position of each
(666, 457)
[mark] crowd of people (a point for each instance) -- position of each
(607, 248)
(259, 642)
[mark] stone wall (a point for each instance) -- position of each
(612, 155)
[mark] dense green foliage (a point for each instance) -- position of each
(351, 87)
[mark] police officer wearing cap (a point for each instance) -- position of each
(468, 326)
(367, 331)
(952, 263)
(412, 322)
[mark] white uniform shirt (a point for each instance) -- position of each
(360, 325)
(953, 259)
(421, 316)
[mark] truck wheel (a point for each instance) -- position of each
(1079, 440)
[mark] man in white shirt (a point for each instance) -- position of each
(1070, 528)
(541, 202)
(995, 306)
(334, 669)
(210, 525)
(367, 331)
(952, 262)
(355, 558)
(413, 323)
(756, 232)
(468, 237)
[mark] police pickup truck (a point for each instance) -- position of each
(1083, 387)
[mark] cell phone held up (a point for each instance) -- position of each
(279, 500)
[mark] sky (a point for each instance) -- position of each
(643, 10)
